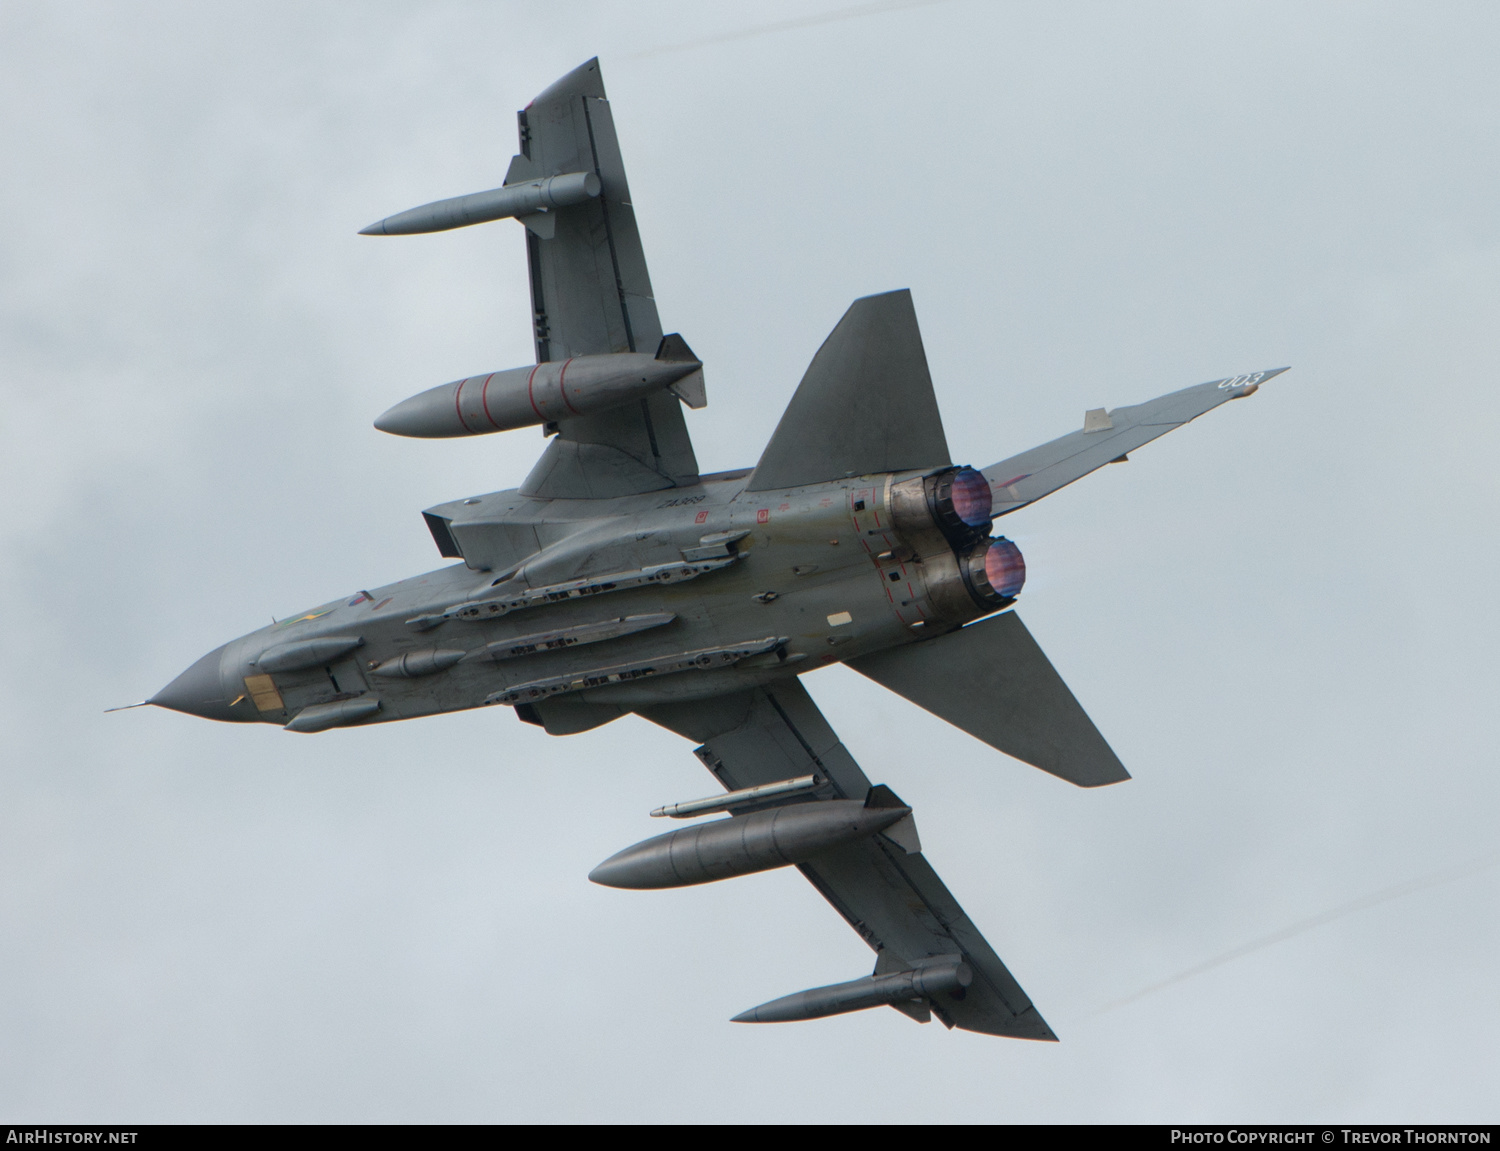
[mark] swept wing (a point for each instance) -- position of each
(591, 294)
(890, 895)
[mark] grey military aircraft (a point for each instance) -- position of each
(617, 579)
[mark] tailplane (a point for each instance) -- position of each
(993, 681)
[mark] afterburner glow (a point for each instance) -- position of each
(1005, 568)
(971, 497)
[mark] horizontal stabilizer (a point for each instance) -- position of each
(865, 404)
(1107, 437)
(993, 681)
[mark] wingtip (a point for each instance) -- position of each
(584, 80)
(1042, 1030)
(1029, 1025)
(1241, 386)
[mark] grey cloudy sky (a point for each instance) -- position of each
(1282, 616)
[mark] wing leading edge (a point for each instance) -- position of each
(892, 897)
(591, 294)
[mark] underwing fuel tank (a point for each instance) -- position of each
(525, 397)
(898, 987)
(744, 844)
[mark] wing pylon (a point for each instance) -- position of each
(590, 295)
(887, 892)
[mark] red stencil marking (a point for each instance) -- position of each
(531, 399)
(458, 410)
(562, 391)
(484, 400)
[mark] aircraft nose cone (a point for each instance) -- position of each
(199, 690)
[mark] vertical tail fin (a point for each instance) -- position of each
(865, 404)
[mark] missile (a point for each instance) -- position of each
(741, 798)
(532, 197)
(411, 664)
(524, 397)
(744, 844)
(942, 978)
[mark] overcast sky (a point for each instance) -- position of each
(1282, 616)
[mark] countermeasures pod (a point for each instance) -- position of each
(946, 976)
(526, 200)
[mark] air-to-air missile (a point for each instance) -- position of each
(618, 579)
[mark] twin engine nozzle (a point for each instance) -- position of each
(948, 513)
(993, 571)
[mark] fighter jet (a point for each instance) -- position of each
(617, 579)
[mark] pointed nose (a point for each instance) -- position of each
(199, 690)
